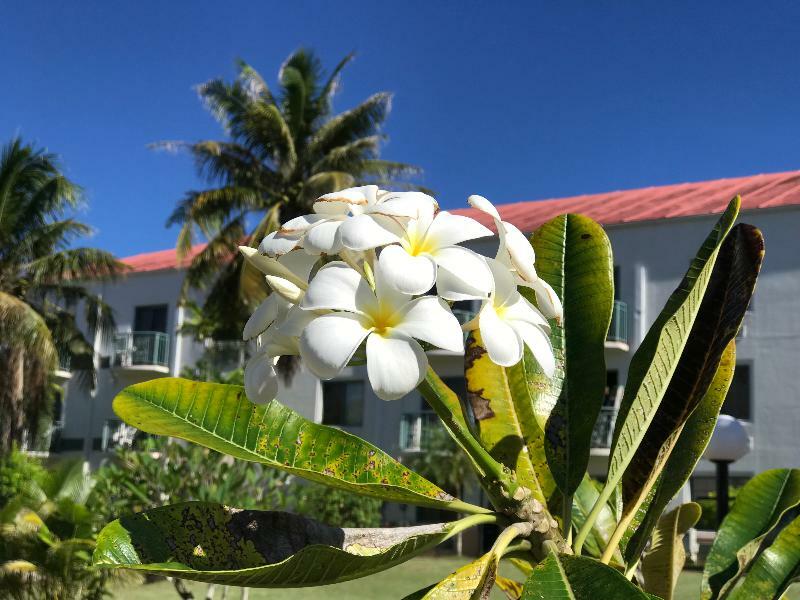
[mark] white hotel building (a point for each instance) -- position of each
(654, 233)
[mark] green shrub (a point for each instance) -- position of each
(336, 507)
(18, 471)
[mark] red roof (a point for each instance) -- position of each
(653, 203)
(163, 259)
(646, 204)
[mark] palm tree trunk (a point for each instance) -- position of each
(12, 369)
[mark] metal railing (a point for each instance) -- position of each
(116, 434)
(604, 427)
(415, 428)
(64, 361)
(224, 356)
(44, 441)
(618, 331)
(140, 348)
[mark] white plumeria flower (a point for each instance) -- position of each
(427, 254)
(508, 323)
(347, 218)
(516, 253)
(389, 320)
(271, 323)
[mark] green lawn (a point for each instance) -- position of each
(393, 584)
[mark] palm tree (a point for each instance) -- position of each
(39, 286)
(283, 150)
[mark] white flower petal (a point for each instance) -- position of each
(429, 319)
(519, 251)
(275, 244)
(260, 379)
(285, 288)
(505, 289)
(369, 231)
(500, 340)
(396, 364)
(547, 299)
(409, 274)
(342, 201)
(522, 310)
(266, 313)
(388, 296)
(483, 205)
(336, 286)
(323, 238)
(414, 205)
(298, 262)
(272, 266)
(448, 229)
(299, 225)
(274, 343)
(539, 343)
(295, 321)
(328, 342)
(463, 274)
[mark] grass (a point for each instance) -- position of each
(393, 584)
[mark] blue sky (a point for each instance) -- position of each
(515, 101)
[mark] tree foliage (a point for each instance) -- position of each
(284, 148)
(41, 271)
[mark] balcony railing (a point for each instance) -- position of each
(44, 441)
(604, 428)
(117, 434)
(618, 331)
(140, 348)
(415, 429)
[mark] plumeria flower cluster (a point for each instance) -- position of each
(369, 278)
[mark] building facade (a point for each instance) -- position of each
(654, 233)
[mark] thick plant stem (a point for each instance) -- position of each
(473, 521)
(508, 535)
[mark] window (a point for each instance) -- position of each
(612, 387)
(151, 318)
(457, 384)
(343, 403)
(616, 282)
(737, 403)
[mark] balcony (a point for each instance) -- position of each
(141, 351)
(415, 430)
(63, 372)
(604, 428)
(617, 338)
(41, 444)
(116, 434)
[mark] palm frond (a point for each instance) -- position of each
(22, 327)
(75, 264)
(350, 157)
(325, 98)
(363, 120)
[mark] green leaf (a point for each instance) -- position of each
(654, 363)
(688, 450)
(583, 500)
(573, 255)
(505, 406)
(775, 567)
(218, 544)
(663, 562)
(722, 310)
(220, 417)
(759, 506)
(578, 578)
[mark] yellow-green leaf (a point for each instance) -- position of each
(221, 418)
(663, 562)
